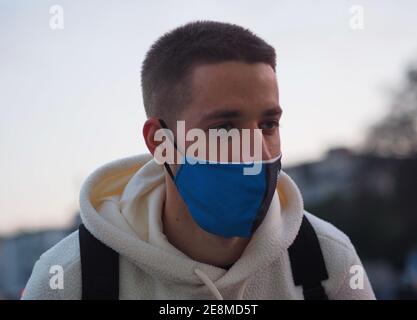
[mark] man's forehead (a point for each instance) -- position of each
(232, 71)
(233, 83)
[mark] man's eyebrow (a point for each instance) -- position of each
(222, 114)
(230, 114)
(273, 111)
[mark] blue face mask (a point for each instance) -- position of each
(223, 200)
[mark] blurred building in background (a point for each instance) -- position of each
(344, 173)
(19, 253)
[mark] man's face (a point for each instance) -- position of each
(236, 95)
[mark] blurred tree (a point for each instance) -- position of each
(396, 133)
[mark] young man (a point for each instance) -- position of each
(178, 231)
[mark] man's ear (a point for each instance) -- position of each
(149, 129)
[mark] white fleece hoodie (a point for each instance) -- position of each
(121, 205)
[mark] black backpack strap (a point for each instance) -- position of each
(307, 262)
(99, 268)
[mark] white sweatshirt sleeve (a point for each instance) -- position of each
(61, 260)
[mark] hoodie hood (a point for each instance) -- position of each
(121, 205)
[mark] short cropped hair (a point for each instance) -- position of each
(168, 63)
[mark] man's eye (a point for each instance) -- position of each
(269, 125)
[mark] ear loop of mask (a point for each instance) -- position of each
(164, 126)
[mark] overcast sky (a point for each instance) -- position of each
(70, 98)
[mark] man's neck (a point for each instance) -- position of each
(185, 234)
